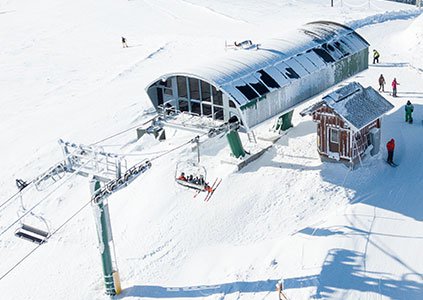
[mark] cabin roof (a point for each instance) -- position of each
(355, 104)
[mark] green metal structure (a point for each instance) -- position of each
(235, 143)
(101, 214)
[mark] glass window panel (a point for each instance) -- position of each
(205, 91)
(168, 91)
(260, 88)
(247, 91)
(183, 105)
(195, 107)
(232, 104)
(218, 113)
(268, 80)
(182, 87)
(297, 67)
(323, 54)
(217, 96)
(207, 109)
(194, 90)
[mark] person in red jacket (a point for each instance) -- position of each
(394, 87)
(390, 146)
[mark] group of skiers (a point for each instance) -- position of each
(390, 146)
(382, 83)
(409, 108)
(198, 180)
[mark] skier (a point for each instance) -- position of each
(124, 44)
(381, 83)
(394, 87)
(21, 184)
(279, 289)
(390, 146)
(376, 56)
(182, 177)
(408, 112)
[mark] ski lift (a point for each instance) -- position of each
(191, 175)
(33, 233)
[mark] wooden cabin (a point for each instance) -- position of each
(348, 122)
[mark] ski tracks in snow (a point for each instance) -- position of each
(136, 65)
(384, 17)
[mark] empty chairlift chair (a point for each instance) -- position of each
(32, 234)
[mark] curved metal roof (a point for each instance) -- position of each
(247, 74)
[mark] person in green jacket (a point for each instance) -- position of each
(408, 112)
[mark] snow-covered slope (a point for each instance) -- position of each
(330, 232)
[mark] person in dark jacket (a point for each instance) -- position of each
(381, 83)
(409, 108)
(124, 44)
(390, 146)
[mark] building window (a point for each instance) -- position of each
(183, 105)
(207, 110)
(247, 91)
(260, 88)
(334, 136)
(194, 90)
(205, 92)
(182, 87)
(217, 96)
(268, 80)
(195, 107)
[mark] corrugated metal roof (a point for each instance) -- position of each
(293, 55)
(357, 105)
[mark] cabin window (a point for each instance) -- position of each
(232, 104)
(260, 88)
(205, 91)
(324, 55)
(247, 91)
(194, 91)
(334, 135)
(217, 96)
(182, 86)
(268, 80)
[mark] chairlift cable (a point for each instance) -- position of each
(32, 181)
(123, 131)
(53, 233)
(45, 197)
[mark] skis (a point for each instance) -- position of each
(392, 164)
(213, 188)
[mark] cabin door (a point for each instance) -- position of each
(333, 140)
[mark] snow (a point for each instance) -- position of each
(356, 104)
(328, 231)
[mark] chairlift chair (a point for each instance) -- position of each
(194, 169)
(32, 234)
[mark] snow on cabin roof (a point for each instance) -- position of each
(357, 105)
(283, 59)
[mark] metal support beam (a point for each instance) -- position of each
(102, 218)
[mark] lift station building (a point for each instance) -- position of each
(266, 80)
